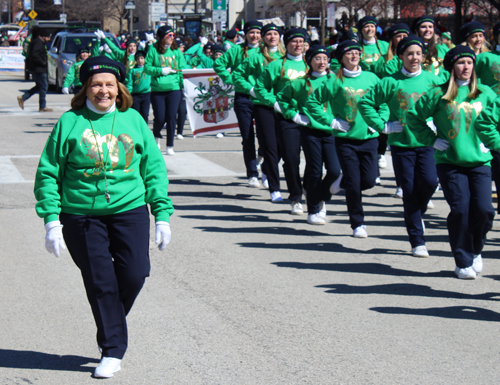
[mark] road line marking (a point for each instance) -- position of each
(9, 173)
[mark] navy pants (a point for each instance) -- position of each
(268, 144)
(41, 86)
(243, 109)
(181, 114)
(289, 143)
(112, 253)
(416, 171)
(141, 104)
(468, 193)
(495, 173)
(358, 160)
(165, 106)
(319, 149)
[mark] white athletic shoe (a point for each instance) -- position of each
(276, 197)
(315, 219)
(170, 151)
(335, 187)
(465, 273)
(265, 182)
(219, 135)
(378, 182)
(360, 232)
(430, 205)
(107, 367)
(477, 263)
(322, 209)
(297, 208)
(180, 137)
(382, 163)
(420, 252)
(254, 182)
(158, 143)
(399, 192)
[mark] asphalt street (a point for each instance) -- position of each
(245, 293)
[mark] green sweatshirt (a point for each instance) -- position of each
(246, 75)
(73, 75)
(271, 82)
(292, 99)
(454, 122)
(188, 55)
(343, 100)
(138, 81)
(202, 61)
(119, 54)
(70, 177)
(400, 92)
(487, 125)
(488, 69)
(371, 54)
(228, 44)
(231, 60)
(154, 64)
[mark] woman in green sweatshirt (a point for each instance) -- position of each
(462, 161)
(139, 85)
(245, 78)
(99, 170)
(412, 158)
(274, 78)
(165, 62)
(225, 66)
(356, 143)
(372, 49)
(73, 75)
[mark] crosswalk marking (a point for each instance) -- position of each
(9, 173)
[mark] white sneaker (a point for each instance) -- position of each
(315, 219)
(360, 232)
(382, 163)
(399, 192)
(265, 182)
(170, 151)
(465, 273)
(260, 160)
(430, 205)
(254, 182)
(219, 135)
(477, 263)
(158, 142)
(297, 208)
(276, 197)
(378, 182)
(180, 137)
(322, 209)
(107, 367)
(335, 187)
(420, 252)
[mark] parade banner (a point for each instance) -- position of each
(210, 102)
(11, 58)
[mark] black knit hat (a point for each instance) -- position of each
(419, 20)
(344, 47)
(130, 41)
(396, 29)
(349, 35)
(293, 33)
(163, 30)
(270, 27)
(101, 64)
(217, 48)
(316, 50)
(252, 24)
(366, 20)
(469, 28)
(409, 41)
(141, 53)
(82, 50)
(456, 53)
(231, 34)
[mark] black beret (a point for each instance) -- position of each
(130, 41)
(409, 41)
(140, 53)
(419, 20)
(82, 50)
(346, 46)
(101, 64)
(231, 34)
(456, 53)
(366, 20)
(349, 35)
(469, 28)
(293, 33)
(316, 50)
(217, 48)
(271, 27)
(252, 24)
(396, 29)
(163, 30)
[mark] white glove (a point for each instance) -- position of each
(100, 35)
(340, 125)
(393, 127)
(142, 45)
(65, 90)
(107, 49)
(277, 107)
(204, 40)
(252, 92)
(441, 144)
(431, 125)
(167, 71)
(150, 37)
(163, 234)
(303, 120)
(54, 238)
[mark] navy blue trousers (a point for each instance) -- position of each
(141, 104)
(416, 171)
(243, 109)
(468, 193)
(495, 173)
(319, 149)
(165, 106)
(358, 160)
(181, 114)
(112, 253)
(265, 125)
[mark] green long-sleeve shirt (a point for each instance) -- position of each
(231, 61)
(454, 122)
(154, 63)
(138, 81)
(487, 125)
(73, 75)
(400, 92)
(371, 53)
(343, 98)
(70, 174)
(488, 69)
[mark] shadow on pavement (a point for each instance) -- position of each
(454, 312)
(26, 359)
(263, 230)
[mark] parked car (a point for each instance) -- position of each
(62, 54)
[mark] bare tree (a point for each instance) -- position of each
(304, 8)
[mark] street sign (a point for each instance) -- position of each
(164, 17)
(219, 16)
(219, 5)
(157, 9)
(32, 14)
(330, 15)
(22, 24)
(63, 17)
(130, 5)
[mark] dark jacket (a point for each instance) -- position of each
(37, 56)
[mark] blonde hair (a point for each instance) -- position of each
(123, 100)
(451, 87)
(264, 50)
(484, 48)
